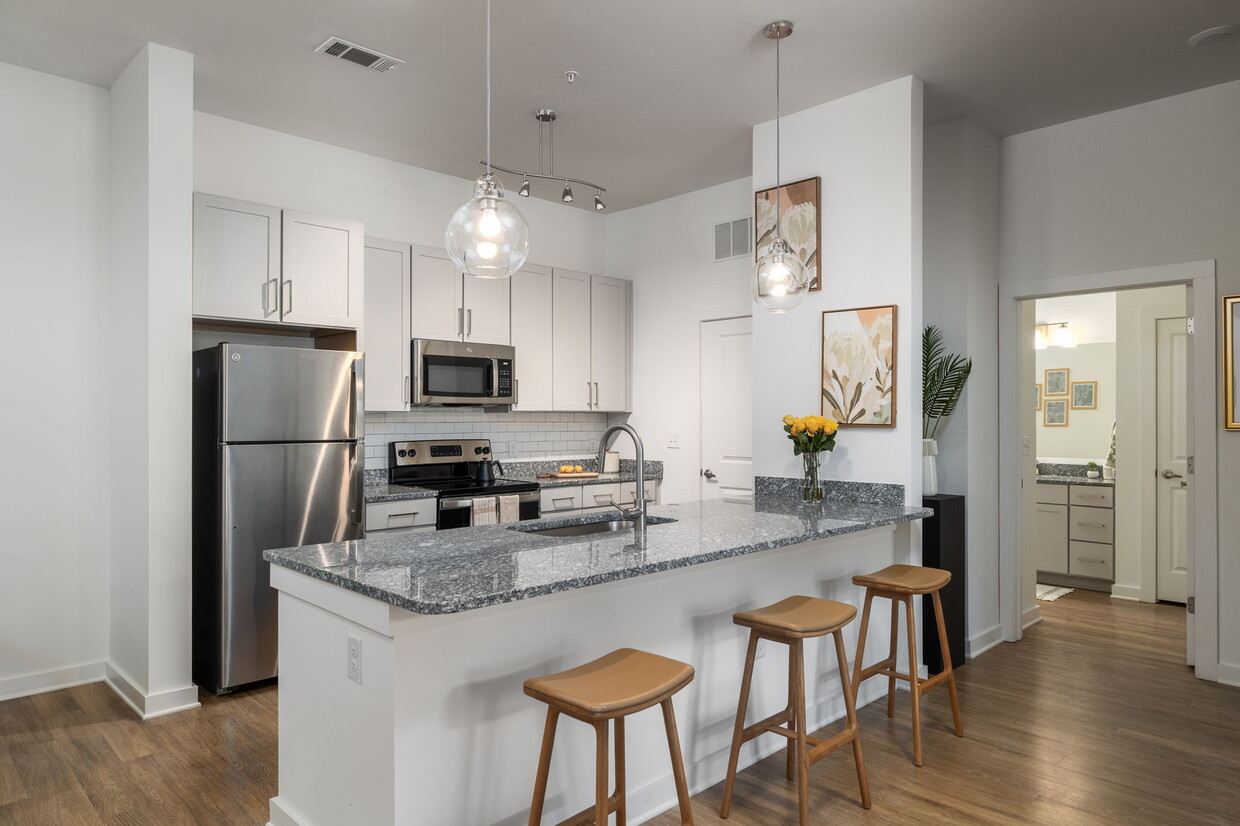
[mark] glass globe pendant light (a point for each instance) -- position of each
(488, 236)
(779, 282)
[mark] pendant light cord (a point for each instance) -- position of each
(777, 140)
(488, 88)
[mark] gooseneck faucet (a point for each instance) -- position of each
(636, 514)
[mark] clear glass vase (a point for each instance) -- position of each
(811, 489)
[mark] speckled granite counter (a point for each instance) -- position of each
(601, 479)
(460, 570)
(384, 492)
(1047, 479)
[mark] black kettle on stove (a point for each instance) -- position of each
(485, 474)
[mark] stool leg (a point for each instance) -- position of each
(914, 685)
(858, 663)
(621, 791)
(947, 664)
(850, 709)
(544, 765)
(678, 763)
(600, 774)
(891, 655)
(792, 718)
(797, 651)
(726, 807)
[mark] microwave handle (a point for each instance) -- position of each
(494, 389)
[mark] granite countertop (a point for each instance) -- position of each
(1050, 479)
(448, 572)
(383, 492)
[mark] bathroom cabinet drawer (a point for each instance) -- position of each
(1091, 496)
(1091, 524)
(1049, 494)
(1091, 559)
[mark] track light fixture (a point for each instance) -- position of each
(546, 123)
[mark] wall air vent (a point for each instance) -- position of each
(369, 58)
(733, 239)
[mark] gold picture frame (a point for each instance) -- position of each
(1052, 410)
(1090, 403)
(800, 222)
(1231, 362)
(1038, 386)
(1054, 384)
(858, 367)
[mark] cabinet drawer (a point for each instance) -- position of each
(404, 514)
(1052, 538)
(1091, 559)
(555, 500)
(1049, 494)
(600, 496)
(1091, 496)
(1091, 524)
(628, 493)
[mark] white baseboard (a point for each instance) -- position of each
(1031, 617)
(1229, 674)
(979, 644)
(26, 684)
(281, 816)
(146, 705)
(1128, 592)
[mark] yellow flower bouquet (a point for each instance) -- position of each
(811, 435)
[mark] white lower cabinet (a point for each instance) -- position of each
(595, 497)
(1076, 530)
(628, 493)
(403, 516)
(560, 500)
(1052, 531)
(1091, 559)
(576, 499)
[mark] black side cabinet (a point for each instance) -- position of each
(943, 546)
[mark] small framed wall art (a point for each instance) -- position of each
(800, 223)
(1055, 412)
(1231, 362)
(859, 366)
(1084, 395)
(1038, 388)
(1056, 382)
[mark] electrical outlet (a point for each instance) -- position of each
(673, 439)
(761, 652)
(355, 659)
(1024, 446)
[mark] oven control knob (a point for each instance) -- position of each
(486, 450)
(478, 450)
(401, 453)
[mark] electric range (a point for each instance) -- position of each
(452, 468)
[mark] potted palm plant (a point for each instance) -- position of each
(943, 377)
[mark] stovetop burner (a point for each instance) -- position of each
(450, 467)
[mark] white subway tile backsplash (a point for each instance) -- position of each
(512, 435)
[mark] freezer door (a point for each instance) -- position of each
(282, 394)
(276, 496)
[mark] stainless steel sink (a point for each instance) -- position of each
(588, 528)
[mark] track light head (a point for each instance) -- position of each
(567, 195)
(598, 202)
(524, 192)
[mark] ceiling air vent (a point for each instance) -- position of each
(733, 239)
(343, 49)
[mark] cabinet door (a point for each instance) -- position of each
(570, 341)
(1052, 532)
(435, 296)
(609, 343)
(236, 259)
(387, 325)
(322, 271)
(560, 500)
(531, 336)
(488, 309)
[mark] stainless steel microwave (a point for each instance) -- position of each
(462, 373)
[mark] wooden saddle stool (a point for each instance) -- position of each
(900, 583)
(790, 622)
(610, 688)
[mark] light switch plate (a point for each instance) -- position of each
(673, 439)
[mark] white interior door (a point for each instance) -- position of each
(1172, 452)
(727, 408)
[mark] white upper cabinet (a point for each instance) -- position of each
(610, 301)
(570, 299)
(387, 325)
(322, 271)
(532, 322)
(260, 263)
(236, 259)
(449, 305)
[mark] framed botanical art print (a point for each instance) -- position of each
(1231, 363)
(799, 222)
(1084, 395)
(1056, 382)
(1038, 387)
(1055, 413)
(859, 366)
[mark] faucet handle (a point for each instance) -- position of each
(627, 513)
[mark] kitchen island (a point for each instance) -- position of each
(402, 658)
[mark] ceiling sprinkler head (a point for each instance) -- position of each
(571, 75)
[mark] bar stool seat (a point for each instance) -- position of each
(912, 579)
(622, 682)
(799, 616)
(602, 693)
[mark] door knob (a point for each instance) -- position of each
(1166, 474)
(708, 474)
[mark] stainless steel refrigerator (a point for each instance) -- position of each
(278, 461)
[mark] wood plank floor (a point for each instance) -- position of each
(1093, 718)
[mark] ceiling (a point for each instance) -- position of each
(1090, 316)
(667, 91)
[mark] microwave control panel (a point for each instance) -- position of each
(504, 380)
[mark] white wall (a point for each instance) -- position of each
(667, 250)
(152, 147)
(394, 200)
(960, 294)
(1153, 184)
(867, 148)
(1088, 434)
(54, 237)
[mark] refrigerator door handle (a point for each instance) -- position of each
(356, 480)
(355, 400)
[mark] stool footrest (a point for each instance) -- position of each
(878, 668)
(934, 682)
(821, 748)
(586, 816)
(771, 724)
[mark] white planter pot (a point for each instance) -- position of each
(929, 467)
(1092, 474)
